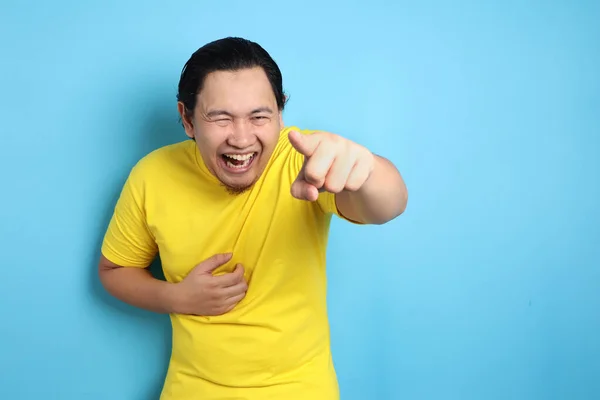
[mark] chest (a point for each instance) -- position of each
(268, 231)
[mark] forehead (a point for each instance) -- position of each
(236, 90)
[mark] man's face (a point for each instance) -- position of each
(236, 125)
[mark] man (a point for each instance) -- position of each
(240, 218)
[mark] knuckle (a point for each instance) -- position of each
(317, 182)
(333, 187)
(332, 137)
(210, 288)
(353, 186)
(210, 285)
(312, 176)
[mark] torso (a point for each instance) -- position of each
(275, 343)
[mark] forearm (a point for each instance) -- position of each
(382, 197)
(137, 287)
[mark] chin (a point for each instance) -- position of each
(239, 185)
(237, 190)
(238, 176)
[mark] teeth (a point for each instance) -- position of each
(243, 165)
(245, 158)
(240, 157)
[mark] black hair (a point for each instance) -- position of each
(227, 54)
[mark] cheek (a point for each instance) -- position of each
(269, 135)
(210, 138)
(268, 140)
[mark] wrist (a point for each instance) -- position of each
(170, 298)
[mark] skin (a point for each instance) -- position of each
(237, 114)
(368, 188)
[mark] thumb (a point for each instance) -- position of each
(303, 190)
(210, 264)
(304, 144)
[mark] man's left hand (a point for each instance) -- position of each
(331, 163)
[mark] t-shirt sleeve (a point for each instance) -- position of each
(328, 205)
(128, 241)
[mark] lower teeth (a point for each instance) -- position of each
(236, 166)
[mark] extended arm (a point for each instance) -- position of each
(368, 188)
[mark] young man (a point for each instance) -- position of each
(240, 218)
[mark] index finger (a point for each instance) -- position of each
(304, 144)
(317, 167)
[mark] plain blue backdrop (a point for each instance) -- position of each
(487, 288)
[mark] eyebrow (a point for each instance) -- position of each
(216, 113)
(262, 110)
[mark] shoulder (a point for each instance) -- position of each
(150, 176)
(167, 156)
(163, 161)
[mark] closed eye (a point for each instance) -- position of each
(260, 120)
(222, 121)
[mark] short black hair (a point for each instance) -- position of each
(227, 54)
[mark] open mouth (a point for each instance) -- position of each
(238, 162)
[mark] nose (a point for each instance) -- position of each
(242, 135)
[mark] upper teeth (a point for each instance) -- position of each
(240, 157)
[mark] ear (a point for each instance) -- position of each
(285, 100)
(186, 120)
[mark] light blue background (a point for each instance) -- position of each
(487, 288)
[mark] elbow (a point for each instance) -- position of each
(396, 209)
(402, 203)
(106, 274)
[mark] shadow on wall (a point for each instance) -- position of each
(156, 125)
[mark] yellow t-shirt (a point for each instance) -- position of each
(275, 343)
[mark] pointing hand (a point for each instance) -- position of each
(331, 163)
